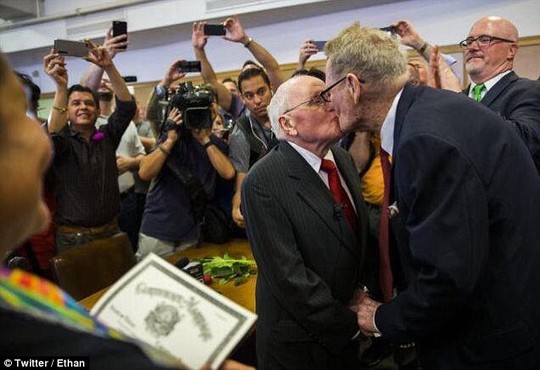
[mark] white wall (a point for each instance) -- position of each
(441, 22)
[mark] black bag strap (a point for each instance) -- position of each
(197, 196)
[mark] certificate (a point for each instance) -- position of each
(164, 307)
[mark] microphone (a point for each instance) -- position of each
(182, 262)
(194, 269)
(338, 210)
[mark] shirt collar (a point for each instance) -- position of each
(312, 159)
(489, 83)
(387, 128)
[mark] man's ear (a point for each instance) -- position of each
(353, 86)
(287, 125)
(512, 51)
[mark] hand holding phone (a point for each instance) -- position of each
(119, 28)
(214, 30)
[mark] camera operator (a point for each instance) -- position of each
(186, 146)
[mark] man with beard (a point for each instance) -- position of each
(490, 49)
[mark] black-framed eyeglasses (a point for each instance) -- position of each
(316, 100)
(482, 41)
(325, 94)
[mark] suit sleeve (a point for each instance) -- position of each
(522, 111)
(446, 220)
(299, 290)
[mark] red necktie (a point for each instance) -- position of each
(385, 271)
(338, 192)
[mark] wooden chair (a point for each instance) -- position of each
(88, 268)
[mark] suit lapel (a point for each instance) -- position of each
(312, 190)
(498, 88)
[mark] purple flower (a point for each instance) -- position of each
(98, 136)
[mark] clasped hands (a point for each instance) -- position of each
(365, 309)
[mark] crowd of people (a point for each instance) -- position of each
(384, 202)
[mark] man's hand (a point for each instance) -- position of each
(235, 31)
(441, 75)
(124, 164)
(116, 44)
(175, 116)
(366, 315)
(55, 66)
(408, 35)
(202, 135)
(358, 295)
(307, 49)
(99, 55)
(172, 74)
(237, 217)
(198, 38)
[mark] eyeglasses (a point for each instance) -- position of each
(483, 41)
(316, 100)
(326, 95)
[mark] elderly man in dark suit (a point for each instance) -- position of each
(309, 247)
(465, 217)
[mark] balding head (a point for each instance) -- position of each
(485, 60)
(496, 26)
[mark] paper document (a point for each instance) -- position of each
(160, 305)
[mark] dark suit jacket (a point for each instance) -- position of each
(468, 234)
(517, 100)
(309, 261)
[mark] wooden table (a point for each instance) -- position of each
(243, 294)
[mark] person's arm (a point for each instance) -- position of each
(410, 37)
(199, 40)
(55, 66)
(237, 216)
(236, 33)
(150, 165)
(221, 163)
(148, 142)
(307, 49)
(93, 75)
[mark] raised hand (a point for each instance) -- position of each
(98, 55)
(235, 31)
(198, 38)
(55, 66)
(116, 44)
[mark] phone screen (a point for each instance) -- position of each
(214, 30)
(319, 44)
(119, 28)
(190, 66)
(71, 48)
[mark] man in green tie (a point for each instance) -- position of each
(490, 49)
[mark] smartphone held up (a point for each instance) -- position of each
(69, 48)
(119, 28)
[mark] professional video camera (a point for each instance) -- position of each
(195, 103)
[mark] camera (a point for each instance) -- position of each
(195, 103)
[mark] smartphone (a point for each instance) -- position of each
(214, 30)
(189, 66)
(392, 30)
(319, 44)
(71, 48)
(119, 28)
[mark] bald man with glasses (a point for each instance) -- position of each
(490, 49)
(307, 226)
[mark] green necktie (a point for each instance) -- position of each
(477, 92)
